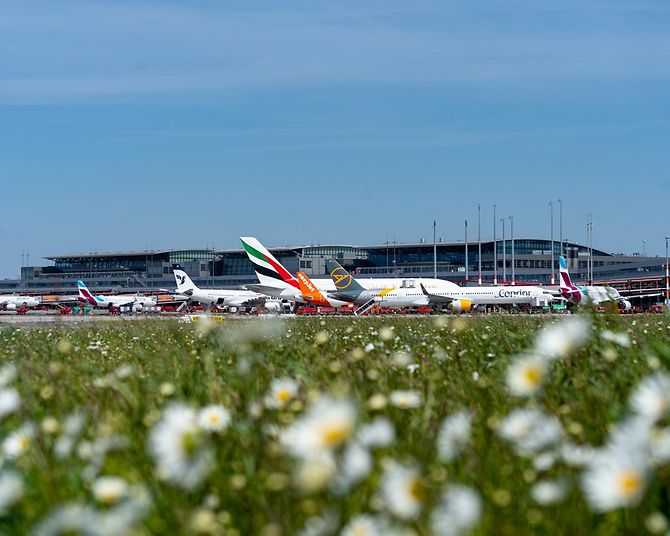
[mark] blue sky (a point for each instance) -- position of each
(157, 124)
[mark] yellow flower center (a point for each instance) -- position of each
(416, 490)
(630, 482)
(283, 395)
(24, 443)
(532, 375)
(336, 433)
(213, 419)
(109, 497)
(360, 530)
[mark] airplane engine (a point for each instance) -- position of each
(273, 306)
(627, 306)
(137, 308)
(220, 301)
(10, 307)
(461, 306)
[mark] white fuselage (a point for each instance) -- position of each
(231, 298)
(497, 295)
(374, 287)
(18, 301)
(122, 300)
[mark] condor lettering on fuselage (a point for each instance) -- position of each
(513, 293)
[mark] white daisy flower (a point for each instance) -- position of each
(380, 432)
(458, 511)
(620, 338)
(549, 491)
(214, 418)
(11, 489)
(18, 442)
(563, 338)
(526, 375)
(544, 461)
(454, 435)
(73, 426)
(616, 479)
(659, 445)
(405, 399)
(325, 426)
(355, 465)
(121, 517)
(71, 518)
(10, 401)
(323, 525)
(530, 430)
(109, 489)
(314, 474)
(8, 374)
(577, 455)
(364, 525)
(651, 397)
(179, 448)
(403, 491)
(282, 391)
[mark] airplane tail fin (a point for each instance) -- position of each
(269, 270)
(344, 281)
(184, 283)
(84, 293)
(309, 291)
(565, 281)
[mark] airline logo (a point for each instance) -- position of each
(85, 295)
(341, 278)
(310, 292)
(502, 293)
(569, 291)
(265, 265)
(306, 282)
(180, 278)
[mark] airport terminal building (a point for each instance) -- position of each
(148, 271)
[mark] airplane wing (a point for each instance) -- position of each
(434, 298)
(262, 289)
(637, 296)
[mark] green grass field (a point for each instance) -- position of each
(352, 444)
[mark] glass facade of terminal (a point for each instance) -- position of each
(231, 268)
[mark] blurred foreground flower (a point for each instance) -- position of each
(526, 375)
(179, 447)
(564, 337)
(325, 426)
(403, 491)
(651, 398)
(11, 489)
(405, 399)
(282, 391)
(458, 511)
(454, 435)
(530, 430)
(617, 478)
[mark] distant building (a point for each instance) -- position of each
(151, 270)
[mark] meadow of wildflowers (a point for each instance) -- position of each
(442, 425)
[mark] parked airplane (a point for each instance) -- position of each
(221, 297)
(417, 294)
(275, 280)
(13, 302)
(137, 302)
(314, 296)
(592, 294)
